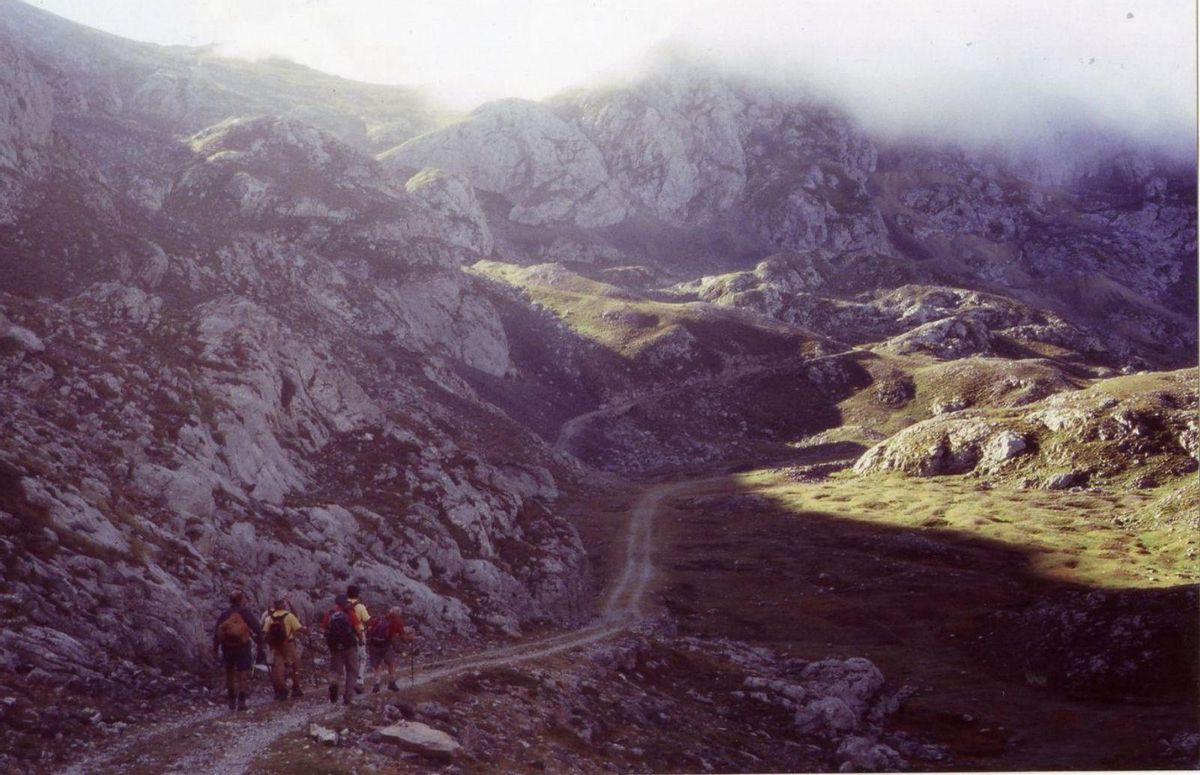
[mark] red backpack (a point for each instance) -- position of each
(379, 633)
(233, 633)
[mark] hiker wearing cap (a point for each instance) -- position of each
(280, 626)
(236, 634)
(364, 619)
(343, 635)
(382, 635)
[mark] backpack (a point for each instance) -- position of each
(379, 634)
(339, 633)
(277, 631)
(233, 633)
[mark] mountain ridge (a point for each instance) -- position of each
(251, 336)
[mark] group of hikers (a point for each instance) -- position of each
(354, 638)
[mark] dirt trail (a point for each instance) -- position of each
(228, 743)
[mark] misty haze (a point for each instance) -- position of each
(591, 387)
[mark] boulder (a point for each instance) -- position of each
(1004, 446)
(422, 739)
(20, 337)
(862, 754)
(1065, 480)
(322, 735)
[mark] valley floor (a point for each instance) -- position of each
(710, 574)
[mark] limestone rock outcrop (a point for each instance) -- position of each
(1116, 430)
(521, 149)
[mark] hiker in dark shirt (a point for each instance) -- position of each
(236, 634)
(343, 636)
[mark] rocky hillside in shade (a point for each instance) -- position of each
(229, 359)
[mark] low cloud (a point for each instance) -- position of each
(983, 71)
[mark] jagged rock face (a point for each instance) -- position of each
(680, 147)
(520, 149)
(464, 223)
(673, 146)
(26, 108)
(1103, 255)
(689, 148)
(808, 170)
(333, 202)
(264, 169)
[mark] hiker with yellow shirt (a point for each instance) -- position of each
(236, 633)
(280, 626)
(364, 618)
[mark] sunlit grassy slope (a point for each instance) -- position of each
(909, 388)
(1092, 538)
(630, 325)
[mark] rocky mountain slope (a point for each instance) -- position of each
(229, 361)
(262, 326)
(689, 171)
(182, 90)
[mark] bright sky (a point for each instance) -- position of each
(912, 64)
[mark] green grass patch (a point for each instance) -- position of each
(1070, 537)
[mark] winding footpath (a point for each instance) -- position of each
(228, 743)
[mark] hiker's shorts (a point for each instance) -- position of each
(287, 653)
(241, 660)
(381, 655)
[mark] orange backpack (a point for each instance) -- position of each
(233, 633)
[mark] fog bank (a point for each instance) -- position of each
(984, 71)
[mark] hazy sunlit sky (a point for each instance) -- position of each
(913, 64)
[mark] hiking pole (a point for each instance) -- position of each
(412, 666)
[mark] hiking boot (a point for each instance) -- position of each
(281, 694)
(392, 686)
(333, 693)
(296, 693)
(241, 702)
(375, 689)
(232, 701)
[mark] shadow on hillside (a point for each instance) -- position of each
(760, 415)
(1046, 674)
